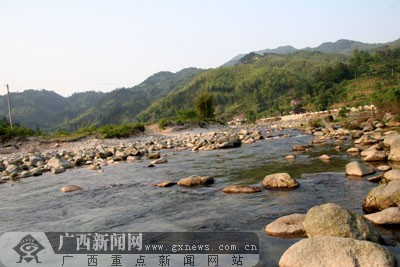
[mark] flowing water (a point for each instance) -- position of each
(122, 198)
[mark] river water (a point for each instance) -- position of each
(122, 198)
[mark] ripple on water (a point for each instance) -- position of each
(122, 198)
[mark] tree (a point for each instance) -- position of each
(204, 105)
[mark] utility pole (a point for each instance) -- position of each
(9, 106)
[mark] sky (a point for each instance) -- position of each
(85, 45)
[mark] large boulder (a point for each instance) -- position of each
(358, 169)
(392, 175)
(58, 162)
(194, 180)
(386, 216)
(279, 181)
(394, 154)
(289, 226)
(382, 197)
(336, 251)
(374, 155)
(235, 189)
(230, 142)
(333, 220)
(389, 138)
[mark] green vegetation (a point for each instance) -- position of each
(106, 131)
(260, 86)
(7, 132)
(204, 106)
(256, 85)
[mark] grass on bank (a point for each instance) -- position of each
(106, 131)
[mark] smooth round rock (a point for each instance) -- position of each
(382, 197)
(336, 251)
(168, 183)
(358, 169)
(325, 157)
(386, 216)
(237, 189)
(70, 188)
(391, 175)
(289, 226)
(279, 181)
(333, 220)
(195, 180)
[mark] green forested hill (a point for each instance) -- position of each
(261, 85)
(341, 46)
(49, 111)
(256, 85)
(124, 104)
(265, 85)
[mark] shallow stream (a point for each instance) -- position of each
(122, 198)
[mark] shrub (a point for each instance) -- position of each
(344, 112)
(164, 123)
(316, 123)
(120, 131)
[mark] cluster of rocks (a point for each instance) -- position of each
(34, 163)
(277, 181)
(333, 234)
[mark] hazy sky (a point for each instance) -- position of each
(79, 45)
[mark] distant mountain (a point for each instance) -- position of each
(282, 50)
(122, 105)
(265, 85)
(341, 46)
(45, 109)
(50, 111)
(259, 83)
(344, 47)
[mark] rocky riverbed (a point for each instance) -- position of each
(375, 152)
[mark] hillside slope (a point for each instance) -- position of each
(49, 111)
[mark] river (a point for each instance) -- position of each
(122, 197)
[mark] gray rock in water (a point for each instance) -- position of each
(375, 155)
(280, 181)
(70, 188)
(36, 171)
(57, 170)
(386, 216)
(394, 154)
(155, 155)
(159, 161)
(392, 175)
(298, 148)
(382, 197)
(353, 150)
(289, 226)
(358, 169)
(236, 189)
(168, 183)
(389, 139)
(196, 180)
(384, 168)
(58, 162)
(13, 168)
(333, 220)
(336, 251)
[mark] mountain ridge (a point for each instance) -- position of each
(255, 84)
(341, 46)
